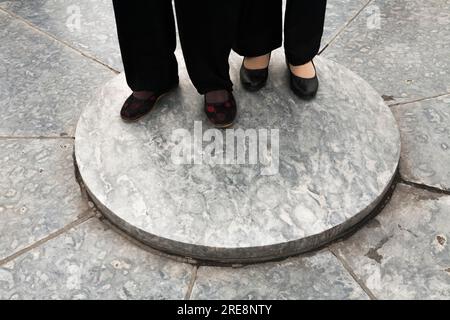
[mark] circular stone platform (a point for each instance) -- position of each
(338, 155)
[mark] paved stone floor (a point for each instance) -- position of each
(53, 243)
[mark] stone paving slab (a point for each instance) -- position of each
(425, 134)
(404, 253)
(93, 262)
(38, 191)
(339, 14)
(320, 276)
(43, 84)
(86, 25)
(405, 56)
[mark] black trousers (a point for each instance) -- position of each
(147, 38)
(260, 28)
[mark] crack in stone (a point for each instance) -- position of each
(407, 230)
(435, 193)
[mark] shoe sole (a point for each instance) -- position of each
(225, 126)
(253, 89)
(304, 96)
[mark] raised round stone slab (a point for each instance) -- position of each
(312, 170)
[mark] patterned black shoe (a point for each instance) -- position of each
(305, 88)
(222, 114)
(134, 108)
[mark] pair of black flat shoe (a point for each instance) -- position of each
(254, 80)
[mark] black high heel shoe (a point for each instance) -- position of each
(222, 114)
(254, 79)
(305, 88)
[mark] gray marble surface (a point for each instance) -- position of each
(93, 262)
(406, 56)
(43, 84)
(307, 278)
(338, 154)
(38, 191)
(425, 135)
(404, 253)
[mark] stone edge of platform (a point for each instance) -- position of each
(204, 255)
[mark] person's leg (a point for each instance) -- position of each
(147, 38)
(303, 29)
(303, 32)
(260, 32)
(207, 32)
(260, 29)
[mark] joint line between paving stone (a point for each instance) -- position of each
(424, 187)
(420, 99)
(353, 275)
(85, 216)
(191, 283)
(65, 43)
(345, 26)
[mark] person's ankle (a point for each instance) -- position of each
(257, 63)
(217, 96)
(143, 94)
(305, 71)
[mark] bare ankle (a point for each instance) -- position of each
(255, 63)
(307, 70)
(142, 94)
(217, 96)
